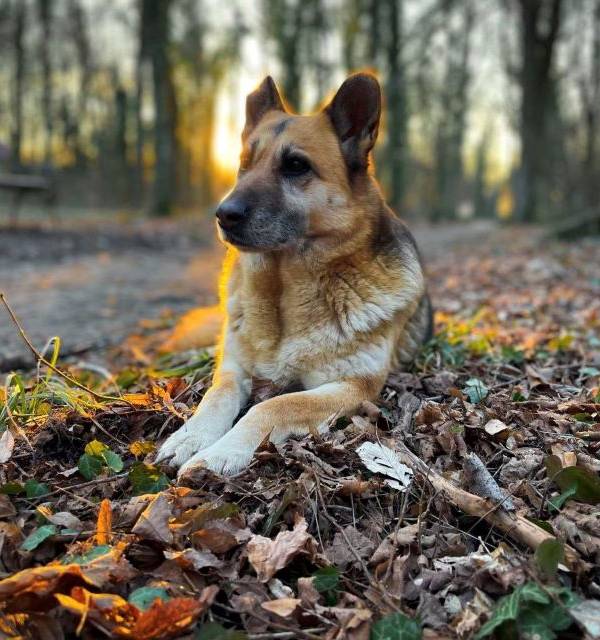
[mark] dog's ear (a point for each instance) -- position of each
(263, 99)
(355, 111)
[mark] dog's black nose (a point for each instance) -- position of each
(231, 212)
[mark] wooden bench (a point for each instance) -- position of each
(21, 184)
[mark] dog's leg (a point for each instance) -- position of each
(279, 418)
(214, 416)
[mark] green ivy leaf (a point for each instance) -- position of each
(549, 554)
(34, 489)
(583, 485)
(146, 478)
(533, 610)
(215, 631)
(143, 597)
(475, 390)
(396, 626)
(326, 579)
(35, 539)
(89, 466)
(113, 460)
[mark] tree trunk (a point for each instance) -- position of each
(397, 143)
(155, 13)
(45, 15)
(451, 127)
(537, 51)
(18, 77)
(79, 34)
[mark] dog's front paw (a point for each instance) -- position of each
(185, 442)
(219, 459)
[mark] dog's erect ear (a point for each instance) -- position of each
(354, 112)
(263, 99)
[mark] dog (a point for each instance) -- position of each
(322, 286)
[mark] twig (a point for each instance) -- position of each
(40, 358)
(513, 525)
(361, 562)
(81, 485)
(282, 635)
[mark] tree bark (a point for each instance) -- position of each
(397, 143)
(45, 16)
(18, 84)
(537, 53)
(155, 15)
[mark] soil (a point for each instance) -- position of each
(92, 283)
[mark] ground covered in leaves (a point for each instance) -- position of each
(493, 527)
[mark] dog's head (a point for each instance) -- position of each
(298, 174)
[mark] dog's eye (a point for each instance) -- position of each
(292, 166)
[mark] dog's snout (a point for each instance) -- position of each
(231, 212)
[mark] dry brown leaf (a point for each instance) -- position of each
(191, 558)
(220, 536)
(493, 427)
(346, 546)
(7, 509)
(153, 522)
(283, 607)
(307, 592)
(268, 556)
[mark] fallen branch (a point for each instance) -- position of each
(513, 525)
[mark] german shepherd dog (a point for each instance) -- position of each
(322, 287)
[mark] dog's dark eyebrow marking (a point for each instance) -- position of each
(280, 126)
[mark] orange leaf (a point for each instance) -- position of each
(168, 619)
(104, 526)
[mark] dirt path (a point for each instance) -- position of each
(92, 285)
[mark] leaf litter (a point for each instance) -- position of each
(463, 503)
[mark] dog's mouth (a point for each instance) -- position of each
(240, 241)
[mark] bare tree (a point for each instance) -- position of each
(20, 9)
(284, 24)
(80, 37)
(454, 108)
(540, 22)
(45, 15)
(155, 30)
(397, 143)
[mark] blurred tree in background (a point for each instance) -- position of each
(492, 108)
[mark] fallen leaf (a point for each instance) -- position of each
(494, 427)
(7, 444)
(283, 607)
(30, 589)
(104, 523)
(268, 556)
(153, 522)
(380, 459)
(191, 558)
(349, 547)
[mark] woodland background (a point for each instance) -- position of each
(492, 106)
(130, 112)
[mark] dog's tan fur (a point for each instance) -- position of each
(332, 310)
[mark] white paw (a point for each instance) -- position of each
(185, 442)
(219, 459)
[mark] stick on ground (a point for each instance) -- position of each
(513, 525)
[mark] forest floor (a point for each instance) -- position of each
(462, 504)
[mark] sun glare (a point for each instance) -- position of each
(226, 140)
